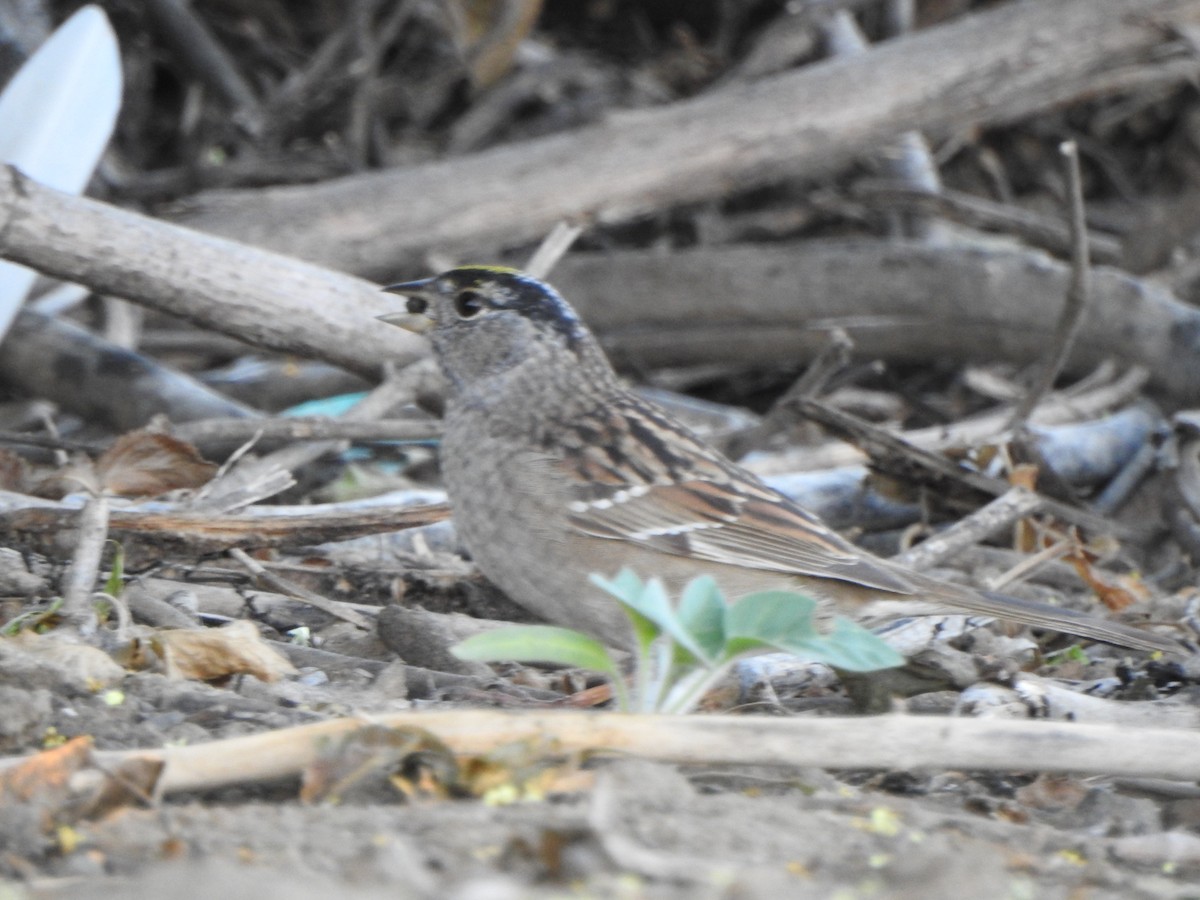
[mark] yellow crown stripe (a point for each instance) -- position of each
(499, 270)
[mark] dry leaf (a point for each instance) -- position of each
(138, 464)
(1115, 591)
(147, 463)
(211, 654)
(1025, 533)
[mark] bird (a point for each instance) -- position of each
(556, 470)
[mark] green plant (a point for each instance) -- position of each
(682, 650)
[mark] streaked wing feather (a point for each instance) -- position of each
(716, 522)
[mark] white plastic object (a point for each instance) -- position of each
(57, 115)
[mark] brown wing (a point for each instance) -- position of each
(673, 494)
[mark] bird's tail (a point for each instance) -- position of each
(1042, 615)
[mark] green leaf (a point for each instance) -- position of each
(657, 606)
(537, 643)
(627, 587)
(770, 616)
(702, 615)
(650, 601)
(848, 646)
(783, 621)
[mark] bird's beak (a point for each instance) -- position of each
(416, 317)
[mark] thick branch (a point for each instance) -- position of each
(982, 69)
(251, 294)
(740, 304)
(757, 304)
(57, 360)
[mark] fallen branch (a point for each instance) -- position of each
(57, 360)
(1032, 227)
(253, 295)
(741, 304)
(42, 526)
(882, 742)
(755, 304)
(218, 437)
(983, 69)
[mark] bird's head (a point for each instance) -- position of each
(484, 320)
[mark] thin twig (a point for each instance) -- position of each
(1078, 293)
(216, 435)
(552, 248)
(79, 580)
(50, 442)
(834, 357)
(283, 586)
(883, 446)
(187, 34)
(980, 525)
(979, 212)
(1029, 564)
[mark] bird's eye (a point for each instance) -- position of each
(416, 305)
(468, 303)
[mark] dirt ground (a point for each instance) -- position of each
(630, 828)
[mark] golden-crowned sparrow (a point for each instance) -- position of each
(556, 471)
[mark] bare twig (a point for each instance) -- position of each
(284, 586)
(1030, 564)
(79, 581)
(552, 249)
(216, 436)
(979, 212)
(1077, 299)
(190, 37)
(1001, 513)
(1062, 408)
(882, 445)
(782, 414)
(51, 442)
(271, 469)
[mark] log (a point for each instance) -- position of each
(770, 303)
(980, 70)
(748, 305)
